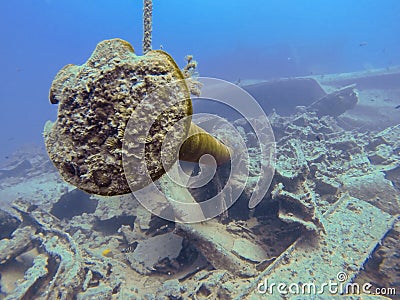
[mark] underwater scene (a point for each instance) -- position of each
(170, 149)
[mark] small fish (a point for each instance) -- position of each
(106, 252)
(132, 247)
(362, 44)
(397, 107)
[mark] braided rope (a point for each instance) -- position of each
(147, 23)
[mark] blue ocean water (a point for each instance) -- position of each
(239, 39)
(323, 157)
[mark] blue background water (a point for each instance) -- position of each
(237, 39)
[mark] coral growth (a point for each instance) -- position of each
(116, 113)
(332, 206)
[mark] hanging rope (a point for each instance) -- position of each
(147, 22)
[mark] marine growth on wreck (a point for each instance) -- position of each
(137, 196)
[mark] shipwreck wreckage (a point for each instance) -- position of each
(332, 207)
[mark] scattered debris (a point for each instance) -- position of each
(156, 253)
(336, 103)
(333, 205)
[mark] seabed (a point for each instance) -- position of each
(332, 208)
